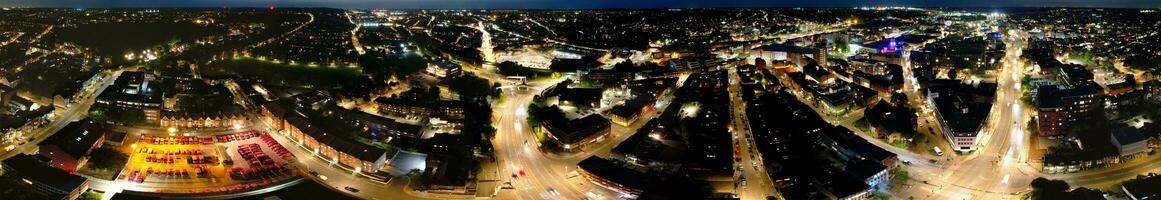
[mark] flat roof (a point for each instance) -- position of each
(35, 167)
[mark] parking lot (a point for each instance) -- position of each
(203, 164)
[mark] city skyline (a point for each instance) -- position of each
(596, 4)
(353, 102)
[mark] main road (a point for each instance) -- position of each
(999, 168)
(76, 110)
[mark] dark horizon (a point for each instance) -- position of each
(568, 5)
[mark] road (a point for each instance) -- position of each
(516, 149)
(76, 110)
(759, 185)
(313, 166)
(338, 177)
(999, 168)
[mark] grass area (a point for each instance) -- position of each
(902, 144)
(900, 175)
(104, 163)
(121, 116)
(390, 149)
(91, 195)
(863, 125)
(281, 73)
(393, 65)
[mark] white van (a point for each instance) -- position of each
(938, 152)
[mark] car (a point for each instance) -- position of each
(351, 189)
(906, 162)
(514, 175)
(522, 172)
(553, 192)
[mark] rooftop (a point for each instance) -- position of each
(76, 138)
(36, 167)
(1143, 188)
(964, 107)
(610, 171)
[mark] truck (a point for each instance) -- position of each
(938, 152)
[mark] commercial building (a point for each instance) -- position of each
(1152, 89)
(965, 52)
(69, 146)
(201, 120)
(443, 69)
(571, 134)
(339, 149)
(795, 54)
(1067, 102)
(645, 94)
(1059, 107)
(36, 171)
(1129, 141)
(852, 147)
(396, 106)
(612, 176)
(132, 92)
(961, 108)
(582, 98)
(1142, 188)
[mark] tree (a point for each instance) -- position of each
(471, 87)
(901, 175)
(106, 158)
(510, 68)
(90, 195)
(1042, 187)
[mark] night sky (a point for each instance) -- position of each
(567, 4)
